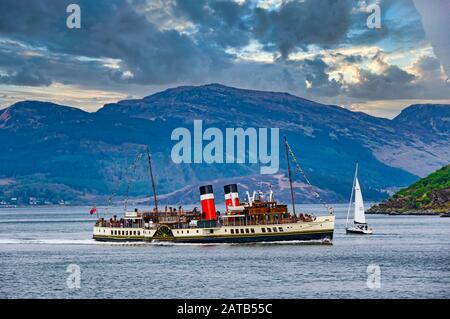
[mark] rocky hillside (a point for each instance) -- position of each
(57, 152)
(429, 195)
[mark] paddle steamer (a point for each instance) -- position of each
(260, 219)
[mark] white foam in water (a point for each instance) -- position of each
(170, 243)
(62, 242)
(37, 220)
(16, 241)
(284, 242)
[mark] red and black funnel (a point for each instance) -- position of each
(231, 195)
(207, 199)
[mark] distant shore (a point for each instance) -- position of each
(406, 213)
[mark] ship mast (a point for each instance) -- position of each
(289, 174)
(152, 179)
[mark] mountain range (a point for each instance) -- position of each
(59, 152)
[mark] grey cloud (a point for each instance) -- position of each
(298, 24)
(316, 73)
(158, 55)
(432, 80)
(393, 83)
(428, 67)
(223, 23)
(26, 77)
(352, 59)
(294, 24)
(396, 83)
(20, 68)
(112, 29)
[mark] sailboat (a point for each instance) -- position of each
(359, 218)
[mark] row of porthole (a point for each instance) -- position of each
(252, 230)
(181, 231)
(233, 231)
(126, 232)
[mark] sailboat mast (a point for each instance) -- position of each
(289, 174)
(351, 196)
(152, 179)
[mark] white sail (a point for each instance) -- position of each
(359, 204)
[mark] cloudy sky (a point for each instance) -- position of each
(317, 49)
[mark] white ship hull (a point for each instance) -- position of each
(320, 229)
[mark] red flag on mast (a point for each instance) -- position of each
(93, 210)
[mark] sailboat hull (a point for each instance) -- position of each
(359, 231)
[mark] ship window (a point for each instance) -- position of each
(197, 231)
(263, 230)
(237, 231)
(126, 233)
(139, 233)
(232, 231)
(247, 230)
(252, 230)
(211, 231)
(275, 229)
(242, 231)
(269, 230)
(280, 228)
(187, 231)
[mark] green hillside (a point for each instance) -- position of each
(428, 195)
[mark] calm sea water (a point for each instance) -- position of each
(38, 244)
